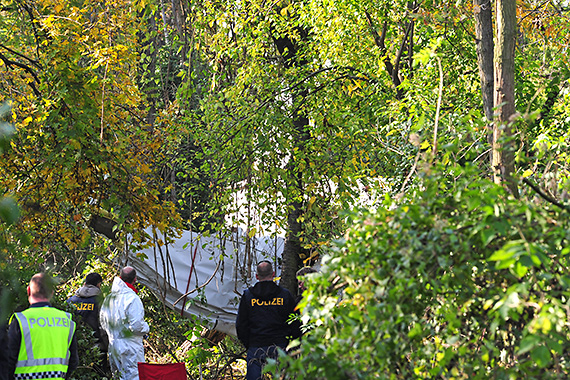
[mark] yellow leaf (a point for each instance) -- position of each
(27, 121)
(145, 169)
(527, 173)
(312, 200)
(74, 143)
(424, 145)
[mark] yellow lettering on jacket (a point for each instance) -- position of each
(85, 306)
(277, 301)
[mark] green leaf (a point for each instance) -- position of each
(528, 343)
(501, 255)
(520, 270)
(9, 211)
(541, 356)
(7, 130)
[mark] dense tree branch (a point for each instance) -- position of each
(379, 40)
(32, 61)
(395, 74)
(10, 63)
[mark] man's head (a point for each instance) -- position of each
(128, 274)
(40, 288)
(264, 271)
(94, 279)
(302, 273)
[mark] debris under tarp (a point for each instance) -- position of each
(202, 275)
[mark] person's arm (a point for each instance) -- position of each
(135, 317)
(14, 339)
(73, 356)
(242, 321)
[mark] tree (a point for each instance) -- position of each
(485, 52)
(503, 159)
(81, 150)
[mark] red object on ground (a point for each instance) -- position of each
(172, 371)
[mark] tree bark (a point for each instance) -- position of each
(503, 142)
(485, 50)
(293, 249)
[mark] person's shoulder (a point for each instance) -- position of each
(286, 293)
(58, 310)
(246, 293)
(133, 297)
(283, 289)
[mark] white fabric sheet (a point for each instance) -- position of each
(219, 267)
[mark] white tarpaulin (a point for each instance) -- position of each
(214, 270)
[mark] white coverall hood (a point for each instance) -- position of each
(122, 317)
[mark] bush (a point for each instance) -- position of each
(459, 281)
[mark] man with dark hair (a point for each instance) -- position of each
(87, 301)
(263, 320)
(41, 339)
(122, 317)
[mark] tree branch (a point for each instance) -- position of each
(544, 196)
(32, 61)
(26, 68)
(199, 287)
(379, 40)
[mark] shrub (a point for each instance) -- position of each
(459, 281)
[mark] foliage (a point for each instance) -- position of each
(459, 281)
(82, 149)
(9, 214)
(181, 114)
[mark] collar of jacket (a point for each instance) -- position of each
(132, 287)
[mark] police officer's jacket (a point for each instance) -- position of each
(263, 315)
(42, 343)
(87, 300)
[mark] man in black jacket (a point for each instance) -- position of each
(262, 322)
(87, 300)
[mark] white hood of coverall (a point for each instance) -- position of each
(122, 317)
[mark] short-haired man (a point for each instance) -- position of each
(42, 341)
(263, 320)
(122, 317)
(87, 300)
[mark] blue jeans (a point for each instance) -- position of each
(256, 358)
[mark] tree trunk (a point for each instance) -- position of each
(485, 48)
(293, 249)
(503, 142)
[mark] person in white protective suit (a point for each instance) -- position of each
(122, 317)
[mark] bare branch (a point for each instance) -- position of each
(199, 287)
